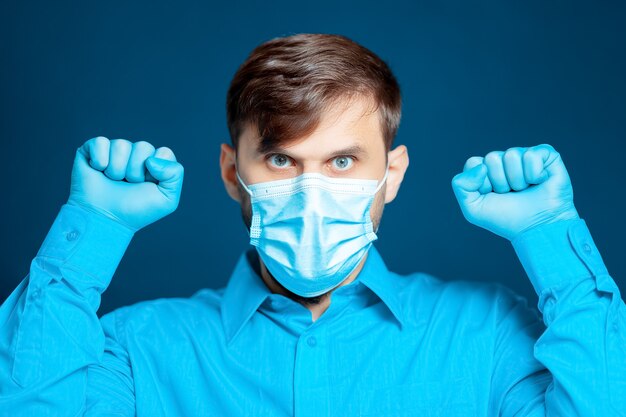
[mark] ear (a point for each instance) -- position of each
(398, 164)
(229, 171)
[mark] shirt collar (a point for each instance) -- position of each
(379, 279)
(246, 291)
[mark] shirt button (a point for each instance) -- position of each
(71, 235)
(587, 248)
(311, 341)
(549, 310)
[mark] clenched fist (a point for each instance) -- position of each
(131, 183)
(513, 191)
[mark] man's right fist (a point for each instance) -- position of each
(131, 183)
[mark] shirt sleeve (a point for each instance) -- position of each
(583, 345)
(49, 329)
(110, 384)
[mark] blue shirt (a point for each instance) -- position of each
(388, 345)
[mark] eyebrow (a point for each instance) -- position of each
(350, 150)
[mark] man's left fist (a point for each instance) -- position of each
(513, 191)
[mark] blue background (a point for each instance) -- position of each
(475, 77)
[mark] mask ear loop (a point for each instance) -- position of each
(245, 187)
(380, 184)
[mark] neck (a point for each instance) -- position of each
(316, 308)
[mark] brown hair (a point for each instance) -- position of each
(286, 83)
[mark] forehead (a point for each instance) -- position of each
(345, 124)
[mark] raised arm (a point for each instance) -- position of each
(525, 195)
(49, 330)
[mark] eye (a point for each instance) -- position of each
(278, 160)
(342, 163)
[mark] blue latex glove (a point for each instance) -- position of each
(131, 183)
(513, 191)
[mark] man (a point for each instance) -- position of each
(311, 322)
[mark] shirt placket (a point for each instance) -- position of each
(310, 377)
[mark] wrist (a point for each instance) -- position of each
(564, 215)
(106, 215)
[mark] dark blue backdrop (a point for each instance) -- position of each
(475, 77)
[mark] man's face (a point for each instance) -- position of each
(348, 143)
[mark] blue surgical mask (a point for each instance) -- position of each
(312, 231)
